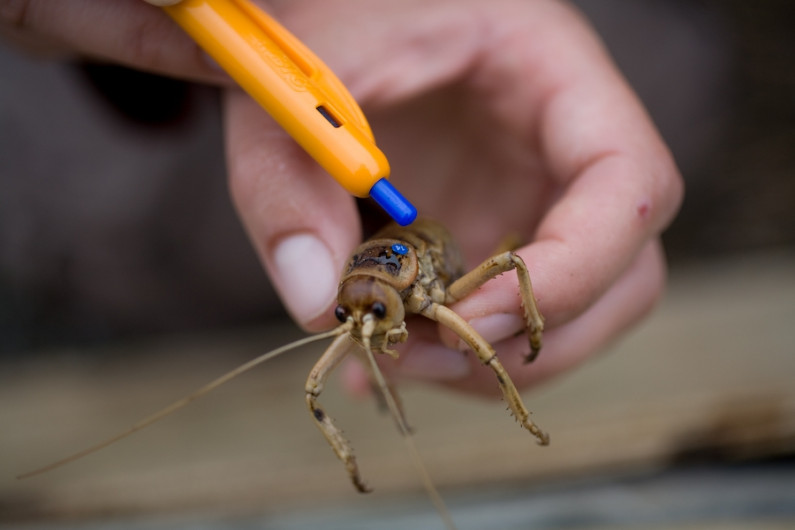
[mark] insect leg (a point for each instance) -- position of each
(314, 386)
(491, 268)
(487, 356)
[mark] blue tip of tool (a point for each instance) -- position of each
(393, 202)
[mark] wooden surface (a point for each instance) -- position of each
(710, 375)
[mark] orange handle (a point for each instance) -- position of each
(291, 83)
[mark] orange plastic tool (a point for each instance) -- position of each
(297, 90)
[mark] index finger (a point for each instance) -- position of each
(130, 32)
(620, 186)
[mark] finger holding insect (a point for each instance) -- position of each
(286, 201)
(580, 252)
(618, 185)
(627, 301)
(593, 235)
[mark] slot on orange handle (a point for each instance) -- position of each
(291, 84)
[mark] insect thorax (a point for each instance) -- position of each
(389, 260)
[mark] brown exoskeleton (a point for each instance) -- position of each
(401, 270)
(416, 269)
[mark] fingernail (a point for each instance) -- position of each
(496, 327)
(305, 274)
(433, 362)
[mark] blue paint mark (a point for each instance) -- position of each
(397, 248)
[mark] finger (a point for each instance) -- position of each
(301, 222)
(129, 32)
(628, 301)
(622, 186)
(279, 192)
(619, 185)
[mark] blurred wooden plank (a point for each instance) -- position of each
(710, 374)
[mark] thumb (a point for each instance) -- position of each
(301, 222)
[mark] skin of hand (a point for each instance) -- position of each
(128, 32)
(497, 117)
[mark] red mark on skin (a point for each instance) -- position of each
(643, 209)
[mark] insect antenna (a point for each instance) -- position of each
(407, 435)
(181, 403)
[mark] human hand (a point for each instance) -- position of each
(127, 32)
(497, 117)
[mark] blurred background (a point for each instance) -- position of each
(126, 281)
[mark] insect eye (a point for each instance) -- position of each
(378, 310)
(341, 313)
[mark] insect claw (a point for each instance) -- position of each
(357, 481)
(362, 487)
(530, 357)
(392, 353)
